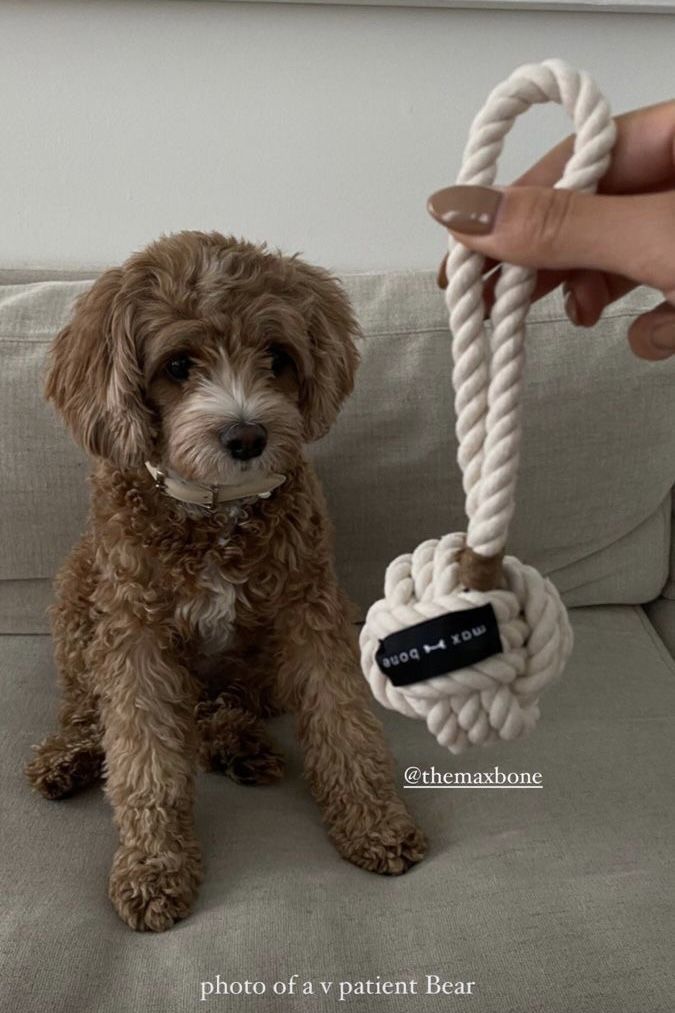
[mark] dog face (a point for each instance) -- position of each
(207, 354)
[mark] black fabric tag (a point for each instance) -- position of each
(438, 646)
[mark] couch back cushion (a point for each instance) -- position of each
(597, 467)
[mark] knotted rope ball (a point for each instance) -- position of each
(465, 636)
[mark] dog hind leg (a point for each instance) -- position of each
(71, 758)
(67, 761)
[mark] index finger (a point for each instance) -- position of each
(643, 157)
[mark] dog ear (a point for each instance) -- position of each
(332, 330)
(94, 378)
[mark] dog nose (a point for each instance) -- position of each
(244, 440)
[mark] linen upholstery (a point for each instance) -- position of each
(669, 590)
(551, 900)
(598, 462)
(661, 613)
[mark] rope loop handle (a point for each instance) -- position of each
(488, 371)
(466, 638)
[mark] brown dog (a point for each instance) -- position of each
(202, 596)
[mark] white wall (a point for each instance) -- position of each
(320, 129)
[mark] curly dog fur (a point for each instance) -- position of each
(178, 629)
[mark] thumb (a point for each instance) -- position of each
(652, 335)
(543, 228)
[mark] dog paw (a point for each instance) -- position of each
(152, 892)
(60, 767)
(386, 840)
(236, 744)
(250, 761)
(262, 767)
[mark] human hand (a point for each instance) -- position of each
(598, 247)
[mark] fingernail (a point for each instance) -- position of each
(571, 305)
(663, 338)
(470, 210)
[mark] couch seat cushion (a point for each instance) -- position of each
(550, 900)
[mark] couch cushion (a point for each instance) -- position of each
(669, 590)
(597, 466)
(557, 899)
(661, 613)
(23, 605)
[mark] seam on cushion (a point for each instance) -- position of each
(16, 580)
(28, 339)
(584, 556)
(668, 591)
(531, 321)
(49, 275)
(372, 334)
(32, 633)
(653, 633)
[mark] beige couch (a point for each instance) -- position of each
(557, 900)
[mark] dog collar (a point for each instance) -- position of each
(211, 496)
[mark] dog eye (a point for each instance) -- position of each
(279, 359)
(179, 368)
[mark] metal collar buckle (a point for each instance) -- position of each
(160, 480)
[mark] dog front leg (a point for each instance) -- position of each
(347, 761)
(149, 745)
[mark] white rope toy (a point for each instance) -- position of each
(494, 697)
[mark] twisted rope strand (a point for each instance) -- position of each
(488, 374)
(496, 698)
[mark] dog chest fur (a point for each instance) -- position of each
(210, 613)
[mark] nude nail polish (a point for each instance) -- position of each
(470, 210)
(663, 338)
